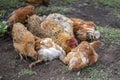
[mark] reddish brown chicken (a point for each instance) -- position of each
(21, 14)
(85, 30)
(83, 55)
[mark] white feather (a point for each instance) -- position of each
(49, 53)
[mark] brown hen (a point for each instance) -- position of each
(21, 14)
(24, 41)
(83, 55)
(65, 22)
(85, 30)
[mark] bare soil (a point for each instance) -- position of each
(10, 64)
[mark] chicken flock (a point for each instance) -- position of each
(44, 38)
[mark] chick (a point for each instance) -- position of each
(83, 55)
(21, 14)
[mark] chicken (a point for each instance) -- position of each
(21, 14)
(53, 29)
(43, 28)
(65, 41)
(66, 23)
(24, 41)
(85, 30)
(50, 28)
(83, 55)
(48, 50)
(53, 21)
(34, 25)
(40, 2)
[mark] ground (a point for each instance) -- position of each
(107, 67)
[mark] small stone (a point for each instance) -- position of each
(78, 73)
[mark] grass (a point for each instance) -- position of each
(44, 10)
(2, 12)
(116, 12)
(26, 72)
(93, 73)
(99, 71)
(96, 74)
(69, 1)
(3, 28)
(64, 69)
(110, 34)
(13, 63)
(112, 3)
(10, 3)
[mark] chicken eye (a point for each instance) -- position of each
(12, 22)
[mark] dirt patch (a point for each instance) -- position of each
(11, 65)
(109, 60)
(109, 54)
(99, 13)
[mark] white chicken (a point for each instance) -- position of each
(48, 50)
